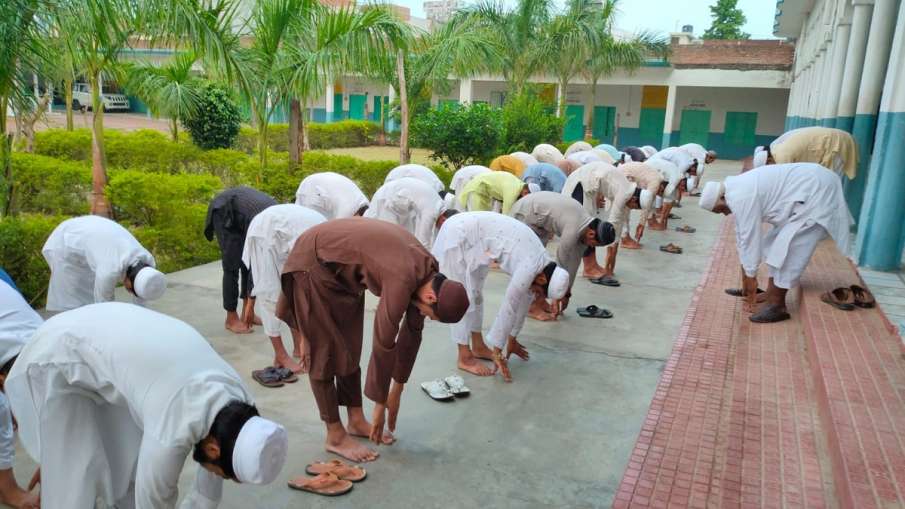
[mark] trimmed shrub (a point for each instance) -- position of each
(527, 123)
(50, 186)
(216, 122)
(149, 150)
(347, 133)
(223, 163)
(62, 144)
(21, 240)
(458, 136)
(158, 200)
(180, 244)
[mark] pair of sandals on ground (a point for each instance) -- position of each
(446, 389)
(273, 376)
(848, 298)
(330, 478)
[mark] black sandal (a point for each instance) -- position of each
(593, 311)
(607, 281)
(769, 314)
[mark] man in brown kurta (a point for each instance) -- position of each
(324, 279)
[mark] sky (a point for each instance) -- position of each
(669, 15)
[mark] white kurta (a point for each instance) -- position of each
(699, 153)
(792, 198)
(333, 195)
(411, 204)
(525, 158)
(585, 157)
(88, 256)
(607, 181)
(464, 175)
(466, 246)
(676, 156)
(111, 398)
(18, 323)
(671, 174)
(271, 236)
(416, 171)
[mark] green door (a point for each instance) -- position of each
(376, 108)
(337, 108)
(741, 127)
(695, 127)
(650, 126)
(574, 130)
(357, 107)
(604, 123)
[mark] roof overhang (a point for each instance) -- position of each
(790, 17)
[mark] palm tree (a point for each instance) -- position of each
(517, 32)
(172, 90)
(610, 53)
(98, 31)
(568, 39)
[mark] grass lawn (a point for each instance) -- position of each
(419, 155)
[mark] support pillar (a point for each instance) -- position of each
(391, 96)
(329, 107)
(876, 59)
(881, 235)
(667, 121)
(465, 91)
(837, 68)
(854, 64)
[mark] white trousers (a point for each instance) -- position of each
(801, 248)
(473, 321)
(266, 308)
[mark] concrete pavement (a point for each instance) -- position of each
(559, 436)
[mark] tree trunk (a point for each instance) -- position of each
(381, 131)
(174, 129)
(404, 154)
(6, 145)
(589, 130)
(67, 84)
(99, 204)
(306, 119)
(561, 98)
(295, 113)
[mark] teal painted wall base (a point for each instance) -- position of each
(881, 235)
(863, 130)
(631, 137)
(845, 123)
(828, 122)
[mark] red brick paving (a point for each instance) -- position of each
(809, 412)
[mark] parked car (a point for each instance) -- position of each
(81, 97)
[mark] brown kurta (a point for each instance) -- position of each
(323, 296)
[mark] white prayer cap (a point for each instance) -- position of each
(546, 153)
(648, 150)
(558, 284)
(260, 451)
(710, 194)
(534, 188)
(760, 157)
(449, 201)
(646, 199)
(149, 284)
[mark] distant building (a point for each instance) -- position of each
(440, 11)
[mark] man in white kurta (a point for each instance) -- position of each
(465, 248)
(651, 184)
(464, 175)
(803, 202)
(18, 323)
(411, 204)
(416, 171)
(89, 255)
(674, 179)
(597, 185)
(702, 157)
(271, 236)
(112, 398)
(546, 153)
(333, 195)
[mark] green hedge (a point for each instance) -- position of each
(146, 149)
(347, 133)
(46, 185)
(21, 240)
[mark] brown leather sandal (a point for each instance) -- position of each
(326, 484)
(840, 298)
(671, 248)
(863, 297)
(340, 469)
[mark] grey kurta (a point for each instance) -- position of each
(550, 214)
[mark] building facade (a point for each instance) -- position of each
(849, 73)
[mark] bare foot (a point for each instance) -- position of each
(657, 226)
(542, 316)
(237, 326)
(351, 449)
(594, 273)
(362, 428)
(284, 361)
(257, 320)
(629, 243)
(475, 367)
(482, 352)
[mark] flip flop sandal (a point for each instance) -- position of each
(738, 292)
(863, 297)
(437, 390)
(343, 471)
(326, 484)
(769, 315)
(456, 385)
(286, 375)
(607, 281)
(840, 298)
(268, 377)
(593, 311)
(672, 216)
(671, 249)
(685, 229)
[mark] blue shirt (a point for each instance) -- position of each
(547, 176)
(8, 280)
